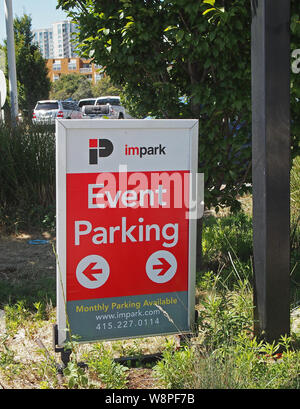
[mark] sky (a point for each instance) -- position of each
(42, 12)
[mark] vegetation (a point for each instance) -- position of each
(106, 87)
(177, 59)
(27, 190)
(223, 352)
(222, 355)
(33, 82)
(76, 87)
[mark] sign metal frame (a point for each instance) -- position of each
(64, 129)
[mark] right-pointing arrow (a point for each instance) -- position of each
(164, 266)
(161, 266)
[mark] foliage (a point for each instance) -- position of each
(295, 78)
(160, 51)
(225, 313)
(71, 86)
(105, 87)
(295, 187)
(32, 74)
(225, 354)
(8, 362)
(76, 87)
(295, 227)
(227, 243)
(176, 369)
(27, 190)
(112, 374)
(75, 375)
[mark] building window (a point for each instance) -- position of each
(56, 65)
(72, 65)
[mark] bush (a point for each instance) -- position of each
(227, 245)
(295, 228)
(27, 174)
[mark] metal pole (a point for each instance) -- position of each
(11, 59)
(270, 51)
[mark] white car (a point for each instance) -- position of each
(86, 102)
(46, 112)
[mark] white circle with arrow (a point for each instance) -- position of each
(92, 271)
(161, 266)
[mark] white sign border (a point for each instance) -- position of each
(62, 127)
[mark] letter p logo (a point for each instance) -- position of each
(99, 148)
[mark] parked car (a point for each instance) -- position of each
(86, 101)
(105, 107)
(46, 112)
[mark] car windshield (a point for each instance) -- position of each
(89, 102)
(111, 101)
(46, 106)
(68, 105)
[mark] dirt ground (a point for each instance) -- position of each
(18, 256)
(19, 259)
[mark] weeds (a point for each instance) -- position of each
(113, 375)
(224, 354)
(176, 369)
(9, 365)
(27, 190)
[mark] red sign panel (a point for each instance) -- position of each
(129, 226)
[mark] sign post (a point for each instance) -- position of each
(126, 229)
(271, 166)
(11, 61)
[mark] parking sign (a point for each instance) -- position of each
(125, 238)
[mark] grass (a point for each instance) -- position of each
(295, 230)
(223, 354)
(27, 190)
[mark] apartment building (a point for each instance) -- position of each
(60, 66)
(55, 42)
(44, 38)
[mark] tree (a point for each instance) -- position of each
(162, 50)
(32, 73)
(105, 87)
(74, 86)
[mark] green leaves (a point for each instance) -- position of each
(159, 51)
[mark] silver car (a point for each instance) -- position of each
(46, 112)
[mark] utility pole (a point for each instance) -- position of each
(11, 59)
(271, 146)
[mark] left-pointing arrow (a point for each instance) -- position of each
(91, 271)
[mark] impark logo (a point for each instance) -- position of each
(99, 148)
(145, 150)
